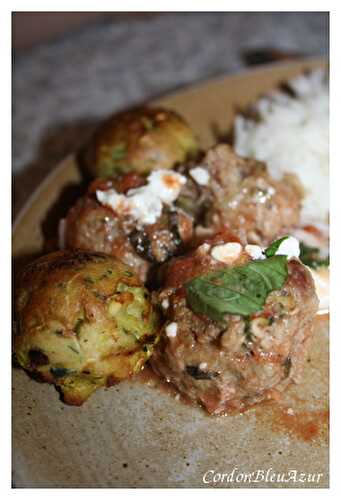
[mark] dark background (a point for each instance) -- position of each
(72, 69)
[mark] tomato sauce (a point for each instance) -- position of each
(305, 425)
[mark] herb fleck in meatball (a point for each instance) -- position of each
(236, 329)
(84, 321)
(140, 140)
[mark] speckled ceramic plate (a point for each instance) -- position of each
(136, 435)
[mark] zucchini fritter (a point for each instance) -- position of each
(139, 140)
(84, 320)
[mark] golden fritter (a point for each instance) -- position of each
(140, 140)
(84, 321)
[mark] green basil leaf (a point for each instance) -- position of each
(239, 290)
(272, 249)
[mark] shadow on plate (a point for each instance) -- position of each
(56, 144)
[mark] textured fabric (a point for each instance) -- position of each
(62, 88)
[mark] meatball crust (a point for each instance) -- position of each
(139, 140)
(94, 227)
(247, 199)
(89, 225)
(232, 364)
(84, 320)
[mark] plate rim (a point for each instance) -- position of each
(243, 72)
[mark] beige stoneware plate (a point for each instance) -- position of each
(136, 435)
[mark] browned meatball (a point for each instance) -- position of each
(93, 227)
(241, 359)
(140, 140)
(89, 225)
(241, 195)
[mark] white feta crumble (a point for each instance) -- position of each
(204, 248)
(200, 175)
(202, 366)
(226, 253)
(171, 329)
(140, 206)
(255, 252)
(165, 303)
(165, 184)
(144, 204)
(289, 247)
(290, 411)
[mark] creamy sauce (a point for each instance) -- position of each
(289, 247)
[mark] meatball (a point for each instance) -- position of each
(139, 140)
(231, 362)
(84, 321)
(241, 195)
(93, 227)
(90, 225)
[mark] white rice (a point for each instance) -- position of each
(292, 136)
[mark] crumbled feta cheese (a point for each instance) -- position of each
(165, 184)
(141, 206)
(165, 303)
(290, 411)
(144, 204)
(202, 366)
(255, 251)
(226, 253)
(200, 175)
(171, 329)
(204, 248)
(289, 247)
